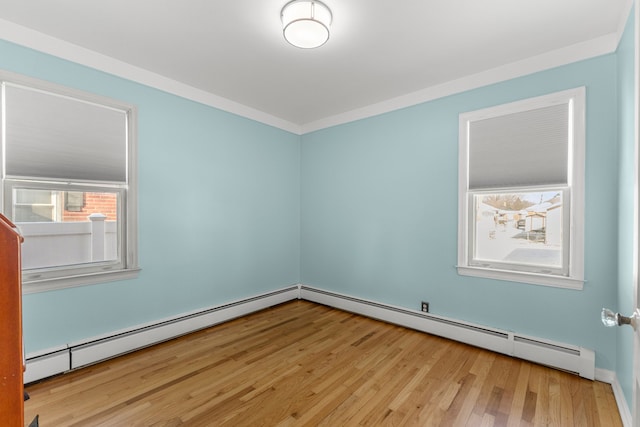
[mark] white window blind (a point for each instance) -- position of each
(56, 137)
(525, 148)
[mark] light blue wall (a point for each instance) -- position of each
(218, 203)
(230, 208)
(625, 300)
(380, 213)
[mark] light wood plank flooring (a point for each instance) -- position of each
(303, 364)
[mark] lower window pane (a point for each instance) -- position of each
(66, 228)
(519, 228)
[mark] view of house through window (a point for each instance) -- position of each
(520, 228)
(81, 225)
(35, 205)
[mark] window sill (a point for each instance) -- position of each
(522, 277)
(44, 285)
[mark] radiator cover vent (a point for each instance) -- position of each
(570, 358)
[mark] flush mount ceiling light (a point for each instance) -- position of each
(306, 23)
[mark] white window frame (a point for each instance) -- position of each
(46, 279)
(571, 275)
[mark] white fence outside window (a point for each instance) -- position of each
(55, 244)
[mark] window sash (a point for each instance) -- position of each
(34, 275)
(524, 266)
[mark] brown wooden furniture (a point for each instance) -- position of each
(11, 358)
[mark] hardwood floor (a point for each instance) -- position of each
(305, 364)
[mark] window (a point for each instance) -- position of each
(68, 183)
(521, 191)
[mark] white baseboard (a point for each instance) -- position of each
(567, 357)
(96, 350)
(44, 364)
(51, 362)
(610, 377)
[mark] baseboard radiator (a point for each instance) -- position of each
(75, 355)
(54, 361)
(566, 357)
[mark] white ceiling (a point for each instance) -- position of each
(382, 54)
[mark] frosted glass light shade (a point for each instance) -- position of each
(306, 23)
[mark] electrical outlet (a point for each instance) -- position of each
(425, 307)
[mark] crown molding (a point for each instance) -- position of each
(578, 52)
(50, 45)
(44, 43)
